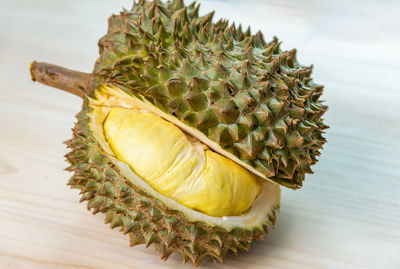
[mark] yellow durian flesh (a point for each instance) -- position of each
(178, 167)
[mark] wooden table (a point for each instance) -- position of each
(347, 215)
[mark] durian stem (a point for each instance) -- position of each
(75, 82)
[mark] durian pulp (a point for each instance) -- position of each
(177, 166)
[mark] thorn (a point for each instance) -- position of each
(207, 19)
(194, 13)
(248, 32)
(229, 46)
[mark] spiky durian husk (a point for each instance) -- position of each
(145, 219)
(249, 96)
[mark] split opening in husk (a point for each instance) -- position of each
(81, 84)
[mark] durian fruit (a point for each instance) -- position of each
(188, 128)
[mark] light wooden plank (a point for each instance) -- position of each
(347, 214)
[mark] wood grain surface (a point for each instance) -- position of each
(347, 215)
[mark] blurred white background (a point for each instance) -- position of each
(347, 215)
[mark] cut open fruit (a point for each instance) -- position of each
(149, 217)
(174, 163)
(268, 194)
(236, 103)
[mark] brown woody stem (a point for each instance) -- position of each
(74, 82)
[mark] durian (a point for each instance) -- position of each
(188, 128)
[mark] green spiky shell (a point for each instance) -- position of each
(146, 219)
(249, 96)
